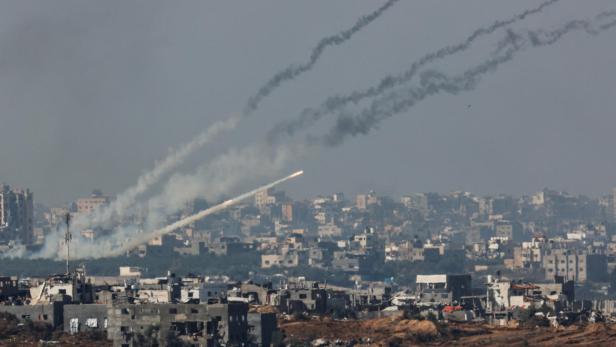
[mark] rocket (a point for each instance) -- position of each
(138, 240)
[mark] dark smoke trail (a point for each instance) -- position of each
(334, 103)
(432, 82)
(293, 71)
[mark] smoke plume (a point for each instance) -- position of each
(334, 103)
(293, 71)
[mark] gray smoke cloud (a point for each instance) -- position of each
(433, 82)
(334, 103)
(293, 71)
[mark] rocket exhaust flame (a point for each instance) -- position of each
(195, 217)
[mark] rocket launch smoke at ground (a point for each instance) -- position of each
(234, 167)
(337, 102)
(293, 71)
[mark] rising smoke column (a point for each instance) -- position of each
(433, 82)
(334, 103)
(293, 71)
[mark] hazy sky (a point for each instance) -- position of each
(93, 92)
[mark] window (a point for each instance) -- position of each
(194, 310)
(173, 310)
(303, 296)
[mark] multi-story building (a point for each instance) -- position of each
(87, 205)
(287, 211)
(612, 204)
(362, 201)
(567, 263)
(16, 214)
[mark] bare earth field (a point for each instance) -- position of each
(403, 332)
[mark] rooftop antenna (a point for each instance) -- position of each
(67, 239)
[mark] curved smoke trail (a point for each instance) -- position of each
(334, 103)
(293, 71)
(432, 82)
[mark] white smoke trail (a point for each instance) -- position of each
(224, 174)
(140, 239)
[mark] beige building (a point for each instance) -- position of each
(569, 264)
(289, 259)
(265, 197)
(287, 212)
(329, 230)
(362, 201)
(87, 205)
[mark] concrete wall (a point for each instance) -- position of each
(51, 314)
(262, 327)
(128, 322)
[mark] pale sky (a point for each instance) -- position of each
(93, 92)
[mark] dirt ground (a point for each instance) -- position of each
(403, 332)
